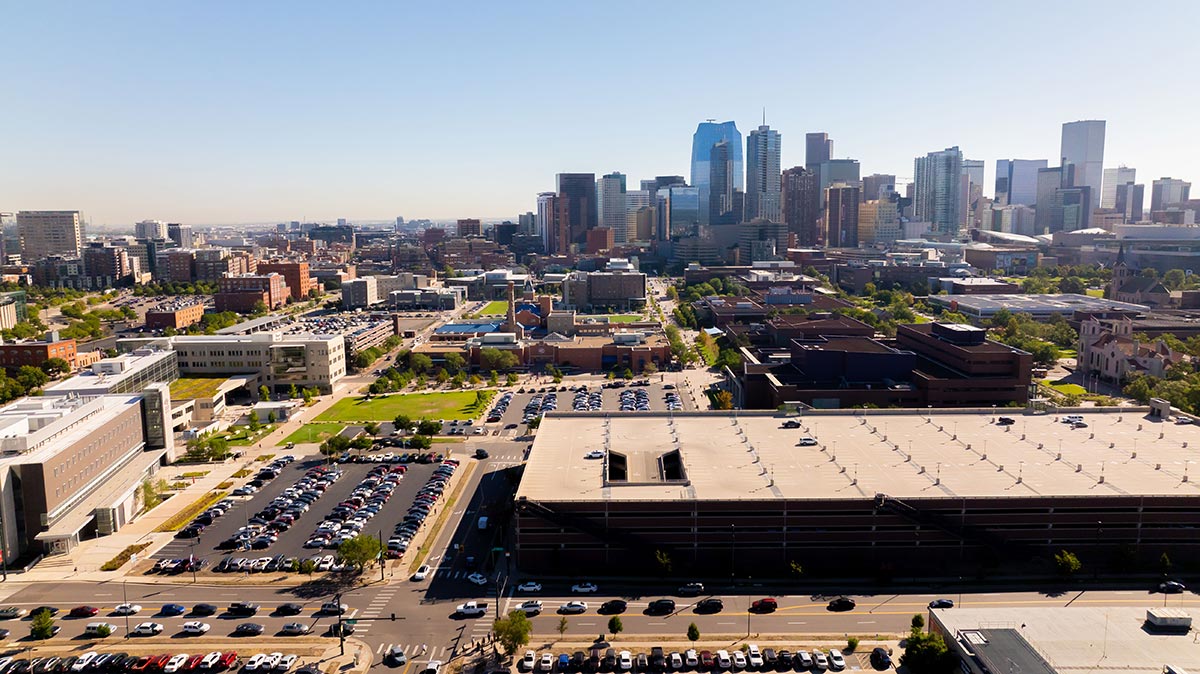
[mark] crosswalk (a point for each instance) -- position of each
(414, 651)
(377, 609)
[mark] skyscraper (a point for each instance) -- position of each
(802, 205)
(635, 200)
(1048, 182)
(841, 215)
(1016, 181)
(1112, 178)
(707, 135)
(762, 175)
(1083, 147)
(971, 185)
(45, 233)
(818, 149)
(150, 229)
(546, 223)
(678, 209)
(578, 192)
(938, 193)
(876, 185)
(182, 235)
(721, 191)
(1129, 200)
(837, 171)
(610, 200)
(1163, 193)
(879, 220)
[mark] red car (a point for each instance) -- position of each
(83, 611)
(142, 664)
(706, 660)
(228, 660)
(193, 663)
(764, 605)
(159, 661)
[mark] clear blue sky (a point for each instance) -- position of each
(234, 112)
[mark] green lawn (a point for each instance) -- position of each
(497, 308)
(1094, 292)
(624, 318)
(240, 436)
(1066, 389)
(452, 405)
(186, 388)
(312, 433)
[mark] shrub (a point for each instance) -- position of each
(119, 561)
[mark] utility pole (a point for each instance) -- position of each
(382, 558)
(337, 598)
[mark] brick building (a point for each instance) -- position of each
(296, 274)
(242, 292)
(16, 354)
(176, 315)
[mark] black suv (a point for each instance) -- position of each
(243, 608)
(661, 606)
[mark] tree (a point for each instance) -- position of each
(271, 418)
(371, 428)
(292, 391)
(918, 622)
(663, 559)
(420, 363)
(259, 308)
(851, 644)
(55, 366)
(1067, 563)
(308, 395)
(649, 368)
(455, 362)
(926, 653)
(563, 624)
(103, 630)
(693, 633)
(796, 569)
(534, 423)
(254, 423)
(1174, 279)
(442, 376)
(512, 631)
(420, 442)
(361, 549)
(31, 377)
(1073, 285)
(429, 427)
(628, 375)
(1164, 560)
(402, 422)
(723, 400)
(264, 393)
(41, 626)
(615, 626)
(307, 566)
(496, 359)
(150, 497)
(494, 378)
(510, 379)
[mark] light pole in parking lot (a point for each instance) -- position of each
(125, 599)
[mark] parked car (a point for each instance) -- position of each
(841, 604)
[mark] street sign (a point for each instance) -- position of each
(351, 621)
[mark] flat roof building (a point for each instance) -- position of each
(931, 492)
(126, 373)
(1040, 307)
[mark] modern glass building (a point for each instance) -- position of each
(678, 211)
(762, 175)
(1083, 147)
(1016, 181)
(938, 193)
(707, 135)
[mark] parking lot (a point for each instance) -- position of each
(609, 401)
(291, 541)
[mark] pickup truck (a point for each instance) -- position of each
(472, 609)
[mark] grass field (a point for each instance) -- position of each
(1094, 292)
(1066, 389)
(452, 405)
(497, 308)
(312, 433)
(624, 318)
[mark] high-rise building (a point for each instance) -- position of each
(707, 135)
(469, 227)
(762, 175)
(721, 190)
(971, 187)
(879, 220)
(578, 192)
(818, 149)
(1048, 182)
(841, 215)
(1016, 181)
(182, 235)
(45, 233)
(527, 223)
(610, 201)
(1072, 209)
(1163, 193)
(635, 201)
(938, 192)
(1112, 178)
(1083, 147)
(150, 229)
(802, 204)
(1129, 200)
(678, 210)
(837, 171)
(877, 186)
(761, 239)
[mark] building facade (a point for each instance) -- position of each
(706, 136)
(800, 194)
(46, 233)
(763, 175)
(937, 196)
(1083, 147)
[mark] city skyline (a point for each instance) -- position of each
(230, 114)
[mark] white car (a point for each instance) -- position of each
(584, 588)
(808, 442)
(573, 607)
(294, 628)
(478, 578)
(546, 664)
(148, 629)
(529, 586)
(625, 661)
(739, 659)
(594, 454)
(529, 661)
(805, 660)
(210, 660)
(271, 661)
(836, 661)
(126, 609)
(754, 656)
(255, 662)
(334, 608)
(422, 572)
(820, 662)
(177, 661)
(286, 662)
(722, 659)
(434, 667)
(531, 607)
(80, 664)
(196, 627)
(691, 659)
(675, 661)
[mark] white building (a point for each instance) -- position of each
(1112, 178)
(1083, 146)
(610, 205)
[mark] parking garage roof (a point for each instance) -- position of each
(909, 455)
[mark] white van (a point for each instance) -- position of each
(96, 629)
